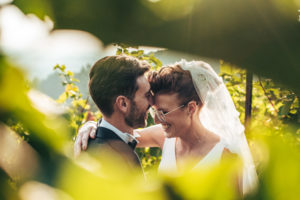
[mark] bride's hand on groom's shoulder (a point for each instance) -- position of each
(86, 131)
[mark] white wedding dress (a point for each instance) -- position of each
(168, 158)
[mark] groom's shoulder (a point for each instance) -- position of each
(116, 151)
(101, 148)
(103, 144)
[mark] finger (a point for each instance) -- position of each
(93, 131)
(84, 134)
(84, 140)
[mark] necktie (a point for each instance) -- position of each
(132, 144)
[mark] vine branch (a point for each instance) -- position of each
(260, 83)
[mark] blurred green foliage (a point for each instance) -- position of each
(269, 35)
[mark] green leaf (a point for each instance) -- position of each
(63, 67)
(284, 110)
(69, 73)
(56, 67)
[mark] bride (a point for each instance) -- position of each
(196, 119)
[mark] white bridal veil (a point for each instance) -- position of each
(220, 116)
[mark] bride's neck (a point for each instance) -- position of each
(196, 135)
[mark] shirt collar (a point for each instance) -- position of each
(126, 137)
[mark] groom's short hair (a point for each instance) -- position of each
(112, 76)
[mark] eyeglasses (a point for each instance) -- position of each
(161, 115)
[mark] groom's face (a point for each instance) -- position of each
(137, 116)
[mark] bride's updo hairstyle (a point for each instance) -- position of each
(172, 79)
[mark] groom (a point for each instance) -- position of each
(121, 91)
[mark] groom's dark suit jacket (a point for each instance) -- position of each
(108, 143)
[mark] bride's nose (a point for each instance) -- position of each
(156, 120)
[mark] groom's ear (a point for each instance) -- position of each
(122, 103)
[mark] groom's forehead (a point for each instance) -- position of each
(143, 84)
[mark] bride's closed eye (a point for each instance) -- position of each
(163, 111)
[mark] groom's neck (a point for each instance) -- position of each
(119, 123)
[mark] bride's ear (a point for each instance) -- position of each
(191, 106)
(122, 103)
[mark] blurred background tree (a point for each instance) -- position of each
(261, 36)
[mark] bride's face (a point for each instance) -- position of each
(173, 115)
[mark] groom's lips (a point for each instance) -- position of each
(146, 114)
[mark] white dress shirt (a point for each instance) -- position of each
(126, 137)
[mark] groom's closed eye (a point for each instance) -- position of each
(148, 95)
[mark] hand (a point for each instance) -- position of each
(88, 130)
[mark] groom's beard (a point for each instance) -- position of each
(136, 118)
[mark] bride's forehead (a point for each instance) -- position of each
(166, 99)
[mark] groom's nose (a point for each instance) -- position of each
(151, 103)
